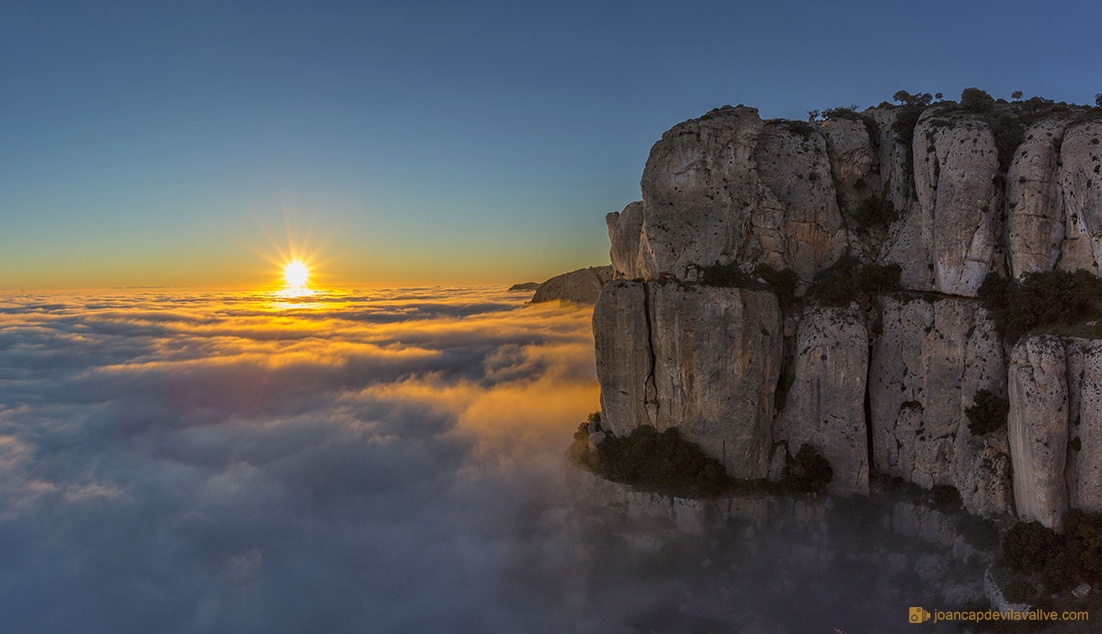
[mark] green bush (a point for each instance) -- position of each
(1028, 545)
(1063, 561)
(988, 414)
(725, 275)
(647, 459)
(807, 471)
(1019, 591)
(763, 278)
(848, 279)
(1040, 300)
(976, 100)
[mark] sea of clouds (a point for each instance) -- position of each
(353, 462)
(384, 461)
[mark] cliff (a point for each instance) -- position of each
(582, 286)
(785, 283)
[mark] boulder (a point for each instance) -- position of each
(717, 356)
(1081, 182)
(1038, 428)
(728, 187)
(825, 405)
(1035, 223)
(582, 286)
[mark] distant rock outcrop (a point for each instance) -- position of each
(695, 333)
(525, 286)
(582, 286)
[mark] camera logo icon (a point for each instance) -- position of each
(917, 615)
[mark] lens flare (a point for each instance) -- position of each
(296, 274)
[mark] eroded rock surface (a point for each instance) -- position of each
(1038, 428)
(925, 369)
(729, 188)
(1081, 181)
(717, 356)
(621, 337)
(954, 170)
(1084, 375)
(1035, 223)
(825, 406)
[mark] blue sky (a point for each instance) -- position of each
(157, 144)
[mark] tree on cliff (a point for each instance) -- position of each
(917, 99)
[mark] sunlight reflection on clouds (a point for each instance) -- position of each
(248, 463)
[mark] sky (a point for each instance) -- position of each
(412, 143)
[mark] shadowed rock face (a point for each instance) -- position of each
(704, 360)
(717, 356)
(1081, 182)
(883, 387)
(1084, 462)
(1038, 428)
(825, 405)
(926, 367)
(1035, 215)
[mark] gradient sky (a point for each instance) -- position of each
(424, 143)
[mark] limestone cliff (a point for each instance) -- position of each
(880, 384)
(582, 286)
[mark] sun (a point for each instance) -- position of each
(296, 274)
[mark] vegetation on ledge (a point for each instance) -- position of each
(1040, 300)
(1062, 561)
(667, 463)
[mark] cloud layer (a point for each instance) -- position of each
(354, 462)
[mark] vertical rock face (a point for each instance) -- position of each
(895, 177)
(717, 353)
(624, 229)
(1081, 181)
(795, 170)
(1035, 223)
(700, 189)
(925, 369)
(1085, 412)
(624, 361)
(730, 188)
(954, 168)
(852, 159)
(825, 406)
(1038, 428)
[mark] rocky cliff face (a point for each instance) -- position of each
(880, 386)
(582, 286)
